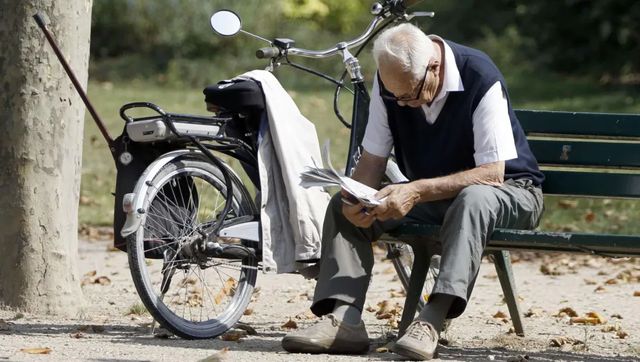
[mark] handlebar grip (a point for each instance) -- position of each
(269, 52)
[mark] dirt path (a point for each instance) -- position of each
(583, 284)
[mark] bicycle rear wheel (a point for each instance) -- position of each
(193, 296)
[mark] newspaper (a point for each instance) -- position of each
(316, 176)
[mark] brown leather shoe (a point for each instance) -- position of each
(329, 335)
(419, 342)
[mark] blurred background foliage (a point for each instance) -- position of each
(170, 41)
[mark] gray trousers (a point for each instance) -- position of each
(467, 222)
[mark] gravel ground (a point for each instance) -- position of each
(546, 284)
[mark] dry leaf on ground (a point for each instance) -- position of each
(45, 350)
(622, 334)
(636, 293)
(610, 328)
(567, 311)
(561, 341)
(500, 315)
(233, 336)
(291, 324)
(534, 312)
(592, 318)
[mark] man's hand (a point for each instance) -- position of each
(356, 212)
(400, 199)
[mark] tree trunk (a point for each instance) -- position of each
(41, 123)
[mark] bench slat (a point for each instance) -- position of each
(613, 245)
(577, 183)
(578, 123)
(586, 153)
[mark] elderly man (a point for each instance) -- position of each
(444, 108)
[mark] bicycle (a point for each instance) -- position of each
(190, 220)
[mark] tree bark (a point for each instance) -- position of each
(41, 124)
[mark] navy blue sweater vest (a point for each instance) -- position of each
(447, 146)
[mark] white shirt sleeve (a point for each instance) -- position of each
(492, 132)
(377, 136)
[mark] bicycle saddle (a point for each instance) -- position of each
(235, 95)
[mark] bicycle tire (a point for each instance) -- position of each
(199, 174)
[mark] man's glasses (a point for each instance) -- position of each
(390, 97)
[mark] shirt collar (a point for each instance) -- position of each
(452, 81)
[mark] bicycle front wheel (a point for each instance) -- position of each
(192, 296)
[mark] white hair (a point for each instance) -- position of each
(405, 45)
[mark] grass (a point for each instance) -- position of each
(137, 309)
(528, 91)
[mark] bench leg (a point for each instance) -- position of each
(505, 274)
(418, 276)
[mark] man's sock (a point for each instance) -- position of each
(347, 313)
(436, 310)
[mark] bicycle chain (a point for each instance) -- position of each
(236, 266)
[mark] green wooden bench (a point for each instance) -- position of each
(581, 154)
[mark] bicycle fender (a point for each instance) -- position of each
(136, 199)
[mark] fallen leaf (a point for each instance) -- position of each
(592, 318)
(533, 312)
(500, 315)
(45, 350)
(590, 216)
(618, 316)
(248, 311)
(103, 280)
(600, 289)
(305, 315)
(622, 334)
(233, 336)
(398, 294)
(610, 328)
(611, 281)
(636, 293)
(291, 324)
(370, 309)
(561, 341)
(385, 348)
(590, 282)
(551, 270)
(568, 311)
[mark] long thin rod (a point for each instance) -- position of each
(105, 133)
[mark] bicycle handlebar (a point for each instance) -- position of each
(395, 8)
